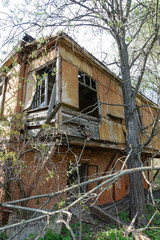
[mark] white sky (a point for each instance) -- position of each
(97, 43)
(100, 42)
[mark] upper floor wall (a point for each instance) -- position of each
(69, 88)
(10, 85)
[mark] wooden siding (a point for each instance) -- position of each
(69, 84)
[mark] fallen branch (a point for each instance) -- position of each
(110, 176)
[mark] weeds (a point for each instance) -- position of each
(112, 234)
(99, 231)
(124, 216)
(3, 236)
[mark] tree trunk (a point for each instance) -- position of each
(137, 201)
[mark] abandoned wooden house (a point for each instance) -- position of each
(72, 103)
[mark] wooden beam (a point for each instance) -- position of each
(52, 101)
(105, 216)
(112, 160)
(56, 108)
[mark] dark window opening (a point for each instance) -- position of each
(93, 84)
(87, 80)
(72, 179)
(87, 95)
(45, 81)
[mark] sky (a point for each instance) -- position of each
(84, 36)
(96, 42)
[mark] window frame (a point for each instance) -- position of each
(89, 83)
(2, 83)
(84, 83)
(38, 103)
(40, 99)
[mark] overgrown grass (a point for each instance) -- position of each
(154, 228)
(3, 236)
(88, 234)
(112, 234)
(102, 231)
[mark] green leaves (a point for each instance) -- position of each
(112, 234)
(51, 174)
(34, 54)
(54, 70)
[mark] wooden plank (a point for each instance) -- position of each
(37, 123)
(105, 216)
(78, 119)
(75, 141)
(54, 111)
(112, 160)
(85, 124)
(52, 101)
(99, 108)
(111, 131)
(33, 123)
(79, 115)
(58, 76)
(30, 119)
(73, 130)
(36, 114)
(35, 132)
(70, 84)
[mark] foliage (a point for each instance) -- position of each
(3, 236)
(124, 216)
(118, 18)
(101, 232)
(109, 233)
(112, 234)
(50, 236)
(153, 233)
(88, 233)
(153, 230)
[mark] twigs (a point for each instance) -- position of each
(109, 176)
(21, 223)
(63, 210)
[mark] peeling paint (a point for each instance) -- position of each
(111, 131)
(70, 88)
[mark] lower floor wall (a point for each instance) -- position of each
(108, 162)
(40, 176)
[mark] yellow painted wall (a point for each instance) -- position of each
(70, 94)
(108, 91)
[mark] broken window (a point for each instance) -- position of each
(45, 81)
(72, 178)
(87, 95)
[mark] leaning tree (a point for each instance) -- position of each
(134, 26)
